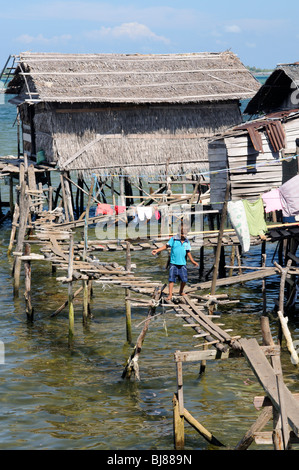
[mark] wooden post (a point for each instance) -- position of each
(70, 295)
(50, 199)
(24, 212)
(127, 294)
(86, 297)
(178, 425)
(27, 294)
(280, 433)
(219, 243)
(13, 228)
(68, 195)
(11, 198)
(64, 199)
(264, 290)
(232, 260)
(85, 301)
(122, 191)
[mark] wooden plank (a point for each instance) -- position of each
(194, 356)
(260, 274)
(202, 322)
(207, 320)
(267, 378)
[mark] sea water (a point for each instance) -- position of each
(56, 398)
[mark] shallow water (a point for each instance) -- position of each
(56, 398)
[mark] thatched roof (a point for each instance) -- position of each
(131, 78)
(272, 95)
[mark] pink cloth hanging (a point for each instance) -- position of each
(272, 200)
(104, 209)
(120, 209)
(157, 214)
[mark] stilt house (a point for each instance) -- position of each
(128, 114)
(260, 154)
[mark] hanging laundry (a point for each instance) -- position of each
(289, 195)
(237, 215)
(120, 209)
(144, 212)
(157, 214)
(148, 212)
(104, 209)
(272, 200)
(255, 217)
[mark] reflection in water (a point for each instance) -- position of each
(54, 398)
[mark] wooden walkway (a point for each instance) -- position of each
(75, 262)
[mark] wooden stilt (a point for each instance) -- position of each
(264, 290)
(85, 301)
(232, 260)
(11, 196)
(122, 191)
(24, 212)
(27, 294)
(13, 228)
(70, 295)
(86, 297)
(201, 261)
(64, 198)
(178, 425)
(219, 243)
(50, 199)
(281, 434)
(68, 198)
(127, 294)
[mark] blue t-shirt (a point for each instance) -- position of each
(179, 250)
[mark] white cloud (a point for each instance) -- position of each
(250, 44)
(233, 28)
(40, 39)
(133, 31)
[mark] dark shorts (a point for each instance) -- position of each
(176, 271)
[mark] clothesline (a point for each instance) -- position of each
(204, 173)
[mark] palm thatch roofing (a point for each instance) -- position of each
(130, 113)
(273, 94)
(131, 78)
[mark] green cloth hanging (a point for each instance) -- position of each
(255, 217)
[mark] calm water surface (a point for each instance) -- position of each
(55, 398)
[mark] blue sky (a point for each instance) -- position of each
(262, 33)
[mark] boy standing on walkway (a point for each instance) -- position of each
(180, 250)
